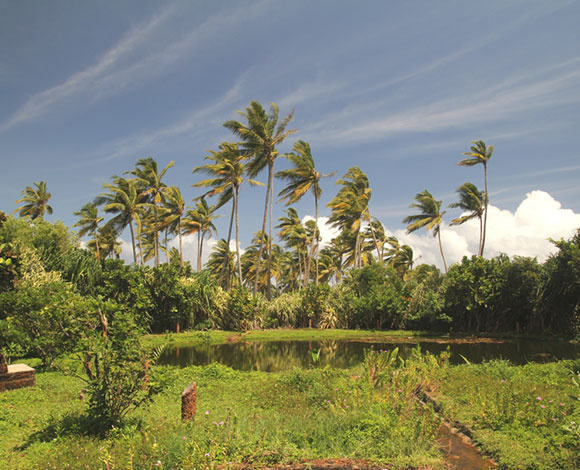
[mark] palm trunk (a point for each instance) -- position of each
(357, 251)
(166, 245)
(441, 249)
(485, 215)
(311, 254)
(236, 193)
(156, 239)
(139, 238)
(262, 235)
(133, 240)
(198, 250)
(316, 227)
(375, 239)
(480, 235)
(271, 181)
(97, 246)
(180, 241)
(225, 269)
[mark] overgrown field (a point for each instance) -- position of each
(527, 417)
(253, 418)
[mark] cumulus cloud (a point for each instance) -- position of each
(525, 232)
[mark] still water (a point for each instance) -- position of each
(283, 355)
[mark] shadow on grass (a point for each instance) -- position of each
(72, 424)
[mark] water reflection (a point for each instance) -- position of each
(283, 355)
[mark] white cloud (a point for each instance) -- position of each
(524, 232)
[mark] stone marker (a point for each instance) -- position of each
(188, 402)
(17, 376)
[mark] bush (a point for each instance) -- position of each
(48, 318)
(118, 374)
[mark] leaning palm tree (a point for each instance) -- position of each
(35, 201)
(89, 223)
(200, 221)
(301, 179)
(123, 200)
(149, 179)
(471, 200)
(350, 208)
(175, 210)
(480, 153)
(260, 137)
(430, 216)
(227, 175)
(294, 235)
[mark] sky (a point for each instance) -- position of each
(399, 89)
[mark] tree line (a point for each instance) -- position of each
(155, 212)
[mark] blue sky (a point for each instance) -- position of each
(397, 88)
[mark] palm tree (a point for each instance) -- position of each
(480, 153)
(36, 201)
(260, 137)
(301, 179)
(399, 257)
(470, 201)
(294, 235)
(350, 208)
(89, 223)
(430, 216)
(109, 244)
(227, 176)
(149, 178)
(123, 199)
(200, 221)
(220, 259)
(175, 209)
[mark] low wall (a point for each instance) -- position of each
(18, 376)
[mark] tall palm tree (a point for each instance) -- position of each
(260, 137)
(123, 199)
(430, 216)
(200, 221)
(471, 200)
(480, 153)
(89, 223)
(35, 201)
(149, 178)
(227, 175)
(350, 208)
(302, 178)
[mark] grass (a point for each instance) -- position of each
(301, 334)
(525, 417)
(243, 417)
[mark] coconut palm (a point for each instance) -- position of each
(294, 236)
(109, 244)
(220, 259)
(350, 208)
(301, 179)
(149, 179)
(430, 217)
(200, 221)
(89, 223)
(35, 201)
(123, 200)
(471, 200)
(399, 257)
(227, 175)
(174, 211)
(260, 137)
(480, 153)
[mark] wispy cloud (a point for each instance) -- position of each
(198, 116)
(494, 104)
(89, 78)
(140, 55)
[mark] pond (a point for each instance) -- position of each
(271, 356)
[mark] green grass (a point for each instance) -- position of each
(243, 417)
(303, 334)
(523, 416)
